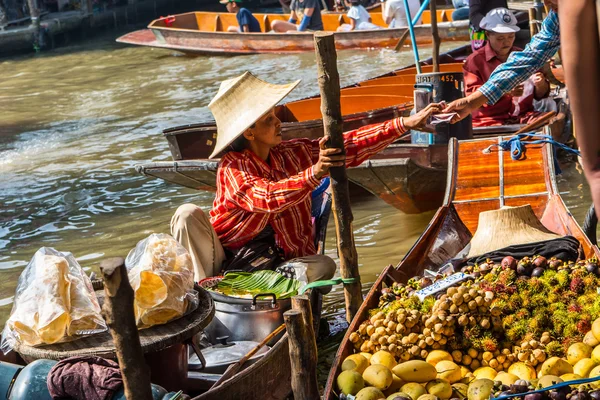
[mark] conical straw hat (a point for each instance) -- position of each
(505, 227)
(241, 102)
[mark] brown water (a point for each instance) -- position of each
(74, 122)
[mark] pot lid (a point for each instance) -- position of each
(226, 353)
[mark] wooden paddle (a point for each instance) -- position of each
(401, 41)
(234, 368)
(539, 122)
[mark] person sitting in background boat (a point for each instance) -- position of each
(516, 107)
(359, 18)
(517, 69)
(308, 12)
(461, 10)
(478, 9)
(246, 21)
(394, 13)
(264, 184)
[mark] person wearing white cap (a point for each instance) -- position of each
(515, 107)
(264, 184)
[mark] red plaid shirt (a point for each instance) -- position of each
(252, 193)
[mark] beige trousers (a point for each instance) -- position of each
(191, 227)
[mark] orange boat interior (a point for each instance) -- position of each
(372, 94)
(219, 22)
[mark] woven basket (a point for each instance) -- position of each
(153, 339)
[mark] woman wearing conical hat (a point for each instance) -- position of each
(264, 184)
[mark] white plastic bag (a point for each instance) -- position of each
(54, 302)
(161, 274)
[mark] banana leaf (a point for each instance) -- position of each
(248, 284)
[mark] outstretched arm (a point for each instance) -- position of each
(518, 68)
(581, 59)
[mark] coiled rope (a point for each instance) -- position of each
(517, 146)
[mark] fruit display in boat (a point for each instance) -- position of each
(532, 320)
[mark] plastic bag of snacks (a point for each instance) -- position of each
(54, 302)
(161, 274)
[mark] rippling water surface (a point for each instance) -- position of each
(73, 122)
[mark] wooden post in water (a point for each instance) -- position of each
(329, 86)
(435, 36)
(302, 304)
(3, 17)
(303, 356)
(119, 316)
(34, 11)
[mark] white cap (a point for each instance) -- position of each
(500, 20)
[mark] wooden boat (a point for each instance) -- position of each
(206, 33)
(476, 182)
(410, 177)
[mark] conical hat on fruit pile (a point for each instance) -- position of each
(505, 227)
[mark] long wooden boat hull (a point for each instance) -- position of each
(219, 43)
(206, 33)
(476, 182)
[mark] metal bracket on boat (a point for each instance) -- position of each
(198, 352)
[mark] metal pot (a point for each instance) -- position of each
(246, 319)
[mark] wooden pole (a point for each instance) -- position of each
(303, 356)
(302, 304)
(435, 36)
(34, 11)
(119, 316)
(329, 86)
(3, 16)
(533, 27)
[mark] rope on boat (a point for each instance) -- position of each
(517, 146)
(329, 282)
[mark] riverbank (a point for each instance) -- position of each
(62, 28)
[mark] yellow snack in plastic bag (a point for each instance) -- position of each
(54, 299)
(84, 314)
(54, 302)
(160, 272)
(152, 290)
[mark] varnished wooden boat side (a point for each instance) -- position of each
(452, 227)
(206, 33)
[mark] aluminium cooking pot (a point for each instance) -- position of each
(246, 319)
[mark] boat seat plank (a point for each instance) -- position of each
(524, 176)
(205, 22)
(478, 173)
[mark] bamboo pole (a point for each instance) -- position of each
(303, 356)
(329, 86)
(435, 36)
(119, 316)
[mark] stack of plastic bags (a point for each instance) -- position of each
(161, 274)
(54, 302)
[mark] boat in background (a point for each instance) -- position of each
(206, 33)
(477, 181)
